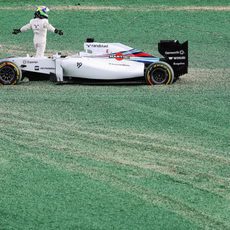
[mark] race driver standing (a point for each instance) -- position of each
(39, 24)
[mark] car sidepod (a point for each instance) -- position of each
(101, 68)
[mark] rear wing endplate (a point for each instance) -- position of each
(175, 54)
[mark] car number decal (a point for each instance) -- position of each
(79, 65)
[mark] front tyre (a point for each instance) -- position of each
(10, 74)
(159, 73)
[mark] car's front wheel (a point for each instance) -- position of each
(10, 74)
(159, 73)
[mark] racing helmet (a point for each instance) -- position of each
(41, 12)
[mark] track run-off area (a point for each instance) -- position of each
(118, 156)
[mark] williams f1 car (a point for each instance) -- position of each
(102, 62)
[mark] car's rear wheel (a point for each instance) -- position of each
(10, 74)
(159, 73)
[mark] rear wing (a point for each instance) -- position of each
(175, 54)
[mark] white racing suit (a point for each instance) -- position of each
(39, 27)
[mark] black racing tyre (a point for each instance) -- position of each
(159, 73)
(10, 74)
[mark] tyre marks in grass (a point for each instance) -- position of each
(189, 164)
(149, 196)
(63, 147)
(130, 138)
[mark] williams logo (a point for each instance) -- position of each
(97, 45)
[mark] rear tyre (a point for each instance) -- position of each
(10, 74)
(159, 73)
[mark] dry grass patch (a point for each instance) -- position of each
(122, 8)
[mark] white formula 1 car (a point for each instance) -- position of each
(102, 62)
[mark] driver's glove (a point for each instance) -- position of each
(60, 32)
(16, 31)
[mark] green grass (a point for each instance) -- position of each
(118, 157)
(104, 157)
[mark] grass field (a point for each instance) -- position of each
(118, 157)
